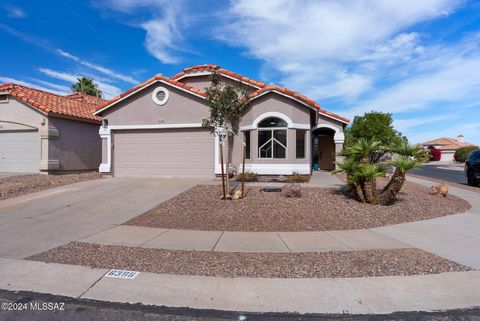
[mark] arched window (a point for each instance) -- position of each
(272, 138)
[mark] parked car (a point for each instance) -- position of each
(472, 168)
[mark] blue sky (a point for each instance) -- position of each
(419, 60)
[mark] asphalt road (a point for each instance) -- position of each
(449, 173)
(90, 310)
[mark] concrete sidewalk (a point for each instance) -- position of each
(330, 295)
(147, 237)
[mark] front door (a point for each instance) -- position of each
(326, 152)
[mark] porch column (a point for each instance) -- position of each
(339, 139)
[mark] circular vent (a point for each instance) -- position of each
(160, 95)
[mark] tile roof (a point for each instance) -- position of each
(262, 88)
(86, 98)
(173, 82)
(446, 143)
(228, 73)
(53, 104)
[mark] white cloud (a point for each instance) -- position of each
(108, 90)
(322, 42)
(14, 12)
(50, 87)
(96, 67)
(163, 39)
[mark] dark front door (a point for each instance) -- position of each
(326, 152)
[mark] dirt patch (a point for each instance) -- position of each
(274, 265)
(319, 209)
(14, 186)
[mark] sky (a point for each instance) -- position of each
(419, 60)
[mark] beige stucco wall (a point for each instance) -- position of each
(16, 115)
(77, 146)
(139, 109)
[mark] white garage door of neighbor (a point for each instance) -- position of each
(187, 153)
(19, 151)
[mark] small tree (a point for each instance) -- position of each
(362, 169)
(373, 126)
(226, 103)
(87, 86)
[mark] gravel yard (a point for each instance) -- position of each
(274, 265)
(13, 186)
(319, 209)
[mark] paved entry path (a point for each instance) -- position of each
(37, 222)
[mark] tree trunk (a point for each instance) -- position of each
(370, 191)
(359, 193)
(389, 193)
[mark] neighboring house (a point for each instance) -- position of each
(155, 129)
(447, 146)
(45, 132)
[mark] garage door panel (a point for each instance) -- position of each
(164, 153)
(19, 151)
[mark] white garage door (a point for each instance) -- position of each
(164, 153)
(19, 151)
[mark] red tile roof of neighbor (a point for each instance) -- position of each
(86, 98)
(53, 104)
(211, 67)
(446, 143)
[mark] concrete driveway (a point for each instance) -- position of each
(37, 222)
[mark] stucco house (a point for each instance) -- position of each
(447, 146)
(155, 129)
(44, 132)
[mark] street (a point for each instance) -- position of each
(81, 309)
(448, 173)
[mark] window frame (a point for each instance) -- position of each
(304, 143)
(248, 143)
(272, 140)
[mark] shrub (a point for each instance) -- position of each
(247, 177)
(462, 153)
(435, 154)
(298, 178)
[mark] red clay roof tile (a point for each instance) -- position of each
(50, 103)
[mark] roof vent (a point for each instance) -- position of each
(160, 96)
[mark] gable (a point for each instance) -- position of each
(140, 109)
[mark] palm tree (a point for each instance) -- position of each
(87, 86)
(362, 170)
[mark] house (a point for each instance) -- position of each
(44, 132)
(447, 146)
(155, 129)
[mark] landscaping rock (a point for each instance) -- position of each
(441, 190)
(292, 190)
(237, 195)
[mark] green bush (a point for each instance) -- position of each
(247, 177)
(462, 153)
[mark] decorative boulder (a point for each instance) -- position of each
(441, 190)
(237, 195)
(292, 190)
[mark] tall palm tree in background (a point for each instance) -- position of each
(87, 86)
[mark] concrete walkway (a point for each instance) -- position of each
(349, 295)
(324, 179)
(147, 237)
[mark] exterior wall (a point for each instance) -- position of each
(77, 146)
(139, 109)
(17, 116)
(202, 82)
(297, 113)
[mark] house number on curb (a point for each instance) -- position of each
(122, 274)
